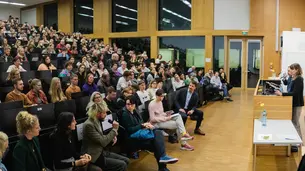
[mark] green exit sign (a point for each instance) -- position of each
(244, 32)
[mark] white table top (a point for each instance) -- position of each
(276, 132)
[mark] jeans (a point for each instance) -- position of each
(156, 145)
(225, 90)
(112, 162)
(197, 113)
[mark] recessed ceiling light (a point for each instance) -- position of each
(12, 3)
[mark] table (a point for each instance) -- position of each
(277, 132)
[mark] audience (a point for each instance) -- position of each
(67, 72)
(3, 149)
(95, 141)
(55, 91)
(36, 95)
(133, 124)
(14, 74)
(17, 95)
(26, 154)
(82, 75)
(124, 81)
(143, 96)
(6, 57)
(73, 88)
(64, 153)
(110, 100)
(215, 80)
(152, 89)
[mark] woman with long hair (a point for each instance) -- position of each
(46, 64)
(96, 97)
(82, 74)
(296, 91)
(65, 157)
(36, 95)
(14, 74)
(152, 89)
(55, 91)
(3, 149)
(26, 155)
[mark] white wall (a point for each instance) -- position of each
(29, 16)
(232, 14)
(7, 10)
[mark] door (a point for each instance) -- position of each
(244, 61)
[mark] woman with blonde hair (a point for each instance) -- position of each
(96, 97)
(152, 89)
(36, 95)
(56, 93)
(3, 149)
(14, 74)
(26, 155)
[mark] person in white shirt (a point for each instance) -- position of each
(215, 80)
(143, 95)
(124, 81)
(84, 62)
(123, 67)
(16, 65)
(158, 60)
(177, 83)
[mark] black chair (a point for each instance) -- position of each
(64, 106)
(34, 65)
(8, 121)
(4, 91)
(35, 57)
(26, 66)
(77, 95)
(26, 76)
(81, 104)
(45, 113)
(4, 66)
(3, 76)
(11, 105)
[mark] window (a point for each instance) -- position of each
(139, 45)
(83, 16)
(190, 51)
(175, 14)
(218, 52)
(50, 15)
(124, 15)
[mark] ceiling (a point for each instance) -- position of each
(27, 2)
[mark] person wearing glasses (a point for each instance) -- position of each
(133, 123)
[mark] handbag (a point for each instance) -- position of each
(143, 134)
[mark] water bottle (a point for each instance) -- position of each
(264, 118)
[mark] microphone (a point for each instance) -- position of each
(111, 122)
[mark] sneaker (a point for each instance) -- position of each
(199, 132)
(187, 147)
(167, 160)
(186, 137)
(229, 99)
(165, 134)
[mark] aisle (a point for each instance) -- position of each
(227, 145)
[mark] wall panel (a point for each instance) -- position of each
(65, 15)
(202, 14)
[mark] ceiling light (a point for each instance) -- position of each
(121, 22)
(12, 3)
(130, 9)
(122, 16)
(175, 14)
(187, 3)
(85, 15)
(85, 7)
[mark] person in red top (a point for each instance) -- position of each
(61, 45)
(36, 95)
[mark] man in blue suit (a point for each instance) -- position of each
(186, 102)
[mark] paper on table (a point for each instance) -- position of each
(264, 137)
(286, 137)
(79, 130)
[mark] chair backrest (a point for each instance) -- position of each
(4, 91)
(77, 95)
(4, 66)
(65, 106)
(45, 113)
(81, 104)
(8, 121)
(11, 105)
(3, 76)
(26, 66)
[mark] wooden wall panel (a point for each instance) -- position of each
(208, 52)
(257, 15)
(65, 15)
(39, 15)
(102, 17)
(202, 14)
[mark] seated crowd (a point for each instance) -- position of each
(116, 84)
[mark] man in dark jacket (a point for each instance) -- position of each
(186, 103)
(6, 57)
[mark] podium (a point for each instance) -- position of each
(277, 107)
